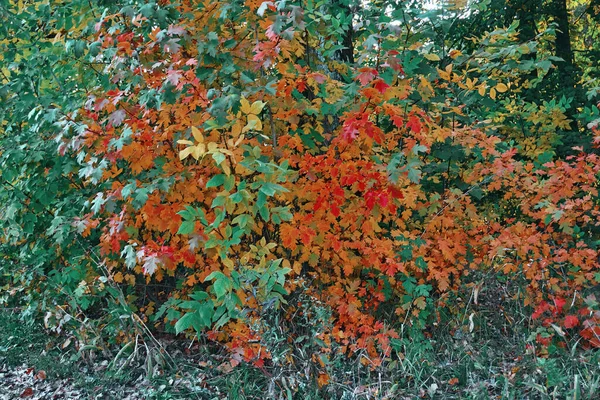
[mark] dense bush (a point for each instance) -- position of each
(236, 170)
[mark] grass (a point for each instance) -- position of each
(30, 345)
(483, 352)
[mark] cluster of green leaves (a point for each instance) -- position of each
(42, 85)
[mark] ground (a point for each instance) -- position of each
(492, 362)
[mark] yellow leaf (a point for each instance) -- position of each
(130, 278)
(188, 142)
(236, 129)
(253, 123)
(183, 154)
(198, 151)
(455, 53)
(297, 267)
(493, 93)
(118, 277)
(415, 46)
(481, 90)
(57, 38)
(471, 83)
(226, 169)
(432, 57)
(501, 88)
(245, 105)
(443, 74)
(238, 141)
(524, 49)
(212, 146)
(197, 134)
(228, 263)
(256, 107)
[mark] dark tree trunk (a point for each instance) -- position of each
(526, 11)
(563, 43)
(568, 74)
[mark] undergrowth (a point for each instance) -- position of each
(486, 352)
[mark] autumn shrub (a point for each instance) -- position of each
(231, 157)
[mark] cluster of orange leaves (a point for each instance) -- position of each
(349, 217)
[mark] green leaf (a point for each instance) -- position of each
(222, 283)
(216, 181)
(218, 157)
(186, 227)
(270, 189)
(187, 321)
(242, 220)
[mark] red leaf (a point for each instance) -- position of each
(397, 194)
(370, 198)
(373, 131)
(366, 75)
(383, 200)
(300, 85)
(335, 210)
(592, 334)
(397, 120)
(27, 393)
(571, 321)
(541, 308)
(380, 85)
(414, 124)
(559, 303)
(350, 130)
(544, 341)
(319, 78)
(318, 203)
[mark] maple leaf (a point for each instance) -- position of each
(571, 321)
(366, 75)
(173, 77)
(350, 130)
(559, 303)
(414, 124)
(172, 45)
(151, 264)
(194, 241)
(176, 30)
(446, 250)
(370, 199)
(541, 308)
(380, 85)
(116, 118)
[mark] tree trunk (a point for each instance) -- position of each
(568, 73)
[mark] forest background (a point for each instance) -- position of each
(329, 198)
